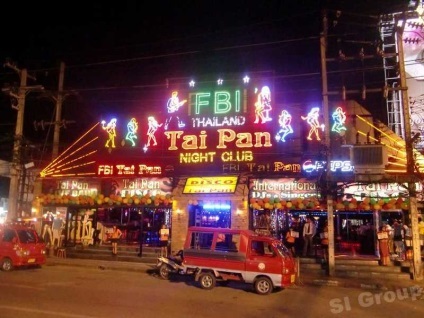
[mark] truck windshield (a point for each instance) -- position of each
(27, 236)
(282, 250)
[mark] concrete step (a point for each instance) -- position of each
(110, 257)
(357, 262)
(358, 268)
(125, 253)
(371, 268)
(373, 275)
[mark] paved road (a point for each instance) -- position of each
(307, 278)
(78, 292)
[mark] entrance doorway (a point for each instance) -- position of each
(210, 214)
(152, 220)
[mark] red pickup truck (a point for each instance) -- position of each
(223, 255)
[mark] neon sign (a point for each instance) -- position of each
(220, 103)
(284, 120)
(144, 186)
(122, 170)
(153, 126)
(339, 117)
(313, 121)
(173, 105)
(284, 188)
(263, 106)
(218, 122)
(200, 128)
(336, 165)
(225, 136)
(378, 190)
(111, 131)
(76, 188)
(132, 127)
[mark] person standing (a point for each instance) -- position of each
(398, 237)
(163, 240)
(308, 235)
(383, 245)
(324, 241)
(390, 242)
(116, 235)
(289, 241)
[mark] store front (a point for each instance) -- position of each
(82, 214)
(207, 155)
(274, 200)
(278, 204)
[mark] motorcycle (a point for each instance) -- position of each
(171, 265)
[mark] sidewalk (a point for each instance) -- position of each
(305, 279)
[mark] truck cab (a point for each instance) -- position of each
(223, 255)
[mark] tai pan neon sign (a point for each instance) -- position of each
(336, 166)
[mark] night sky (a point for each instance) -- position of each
(120, 55)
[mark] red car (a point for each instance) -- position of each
(20, 246)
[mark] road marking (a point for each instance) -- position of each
(47, 312)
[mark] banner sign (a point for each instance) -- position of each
(225, 184)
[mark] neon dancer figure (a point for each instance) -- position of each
(339, 118)
(132, 127)
(111, 130)
(263, 106)
(313, 120)
(173, 105)
(153, 126)
(285, 126)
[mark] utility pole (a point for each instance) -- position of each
(410, 162)
(16, 166)
(327, 143)
(59, 101)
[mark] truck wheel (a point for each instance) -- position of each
(207, 280)
(164, 271)
(263, 286)
(6, 264)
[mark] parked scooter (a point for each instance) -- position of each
(171, 265)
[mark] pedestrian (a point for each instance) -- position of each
(390, 242)
(407, 230)
(163, 240)
(398, 237)
(383, 240)
(116, 235)
(308, 235)
(324, 241)
(290, 239)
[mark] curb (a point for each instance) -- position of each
(352, 283)
(103, 265)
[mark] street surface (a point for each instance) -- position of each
(74, 292)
